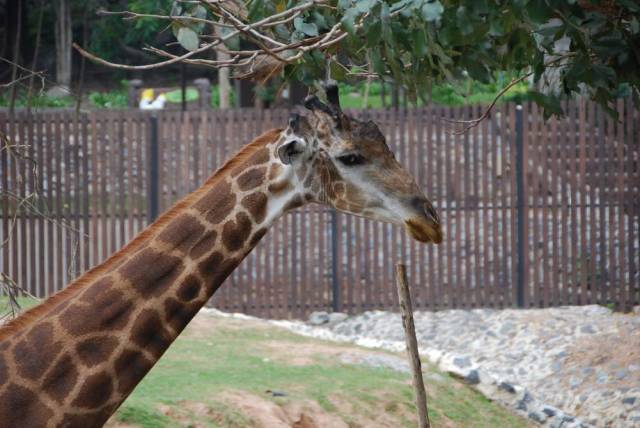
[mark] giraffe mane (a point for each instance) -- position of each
(35, 313)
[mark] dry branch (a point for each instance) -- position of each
(269, 56)
(404, 296)
(31, 204)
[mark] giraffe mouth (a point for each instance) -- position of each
(424, 230)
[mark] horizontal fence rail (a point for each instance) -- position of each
(535, 213)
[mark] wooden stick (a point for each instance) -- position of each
(412, 344)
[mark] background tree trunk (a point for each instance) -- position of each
(64, 37)
(224, 85)
(16, 59)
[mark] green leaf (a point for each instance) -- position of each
(377, 61)
(603, 76)
(632, 5)
(476, 69)
(348, 21)
(199, 12)
(539, 11)
(374, 33)
(551, 30)
(419, 37)
(432, 11)
(365, 5)
(188, 38)
(401, 4)
(305, 27)
(337, 72)
(550, 104)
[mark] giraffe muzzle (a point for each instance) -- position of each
(425, 227)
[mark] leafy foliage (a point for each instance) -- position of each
(110, 33)
(590, 46)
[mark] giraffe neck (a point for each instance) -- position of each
(75, 359)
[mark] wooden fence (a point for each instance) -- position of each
(535, 213)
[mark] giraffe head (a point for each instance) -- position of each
(346, 163)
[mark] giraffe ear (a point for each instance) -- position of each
(289, 150)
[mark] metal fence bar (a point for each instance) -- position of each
(153, 195)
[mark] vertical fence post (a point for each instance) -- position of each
(153, 196)
(521, 208)
(335, 282)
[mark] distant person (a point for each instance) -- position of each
(147, 102)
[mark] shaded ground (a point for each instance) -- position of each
(225, 372)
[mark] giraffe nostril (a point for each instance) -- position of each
(431, 213)
(418, 203)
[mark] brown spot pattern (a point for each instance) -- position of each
(282, 186)
(189, 289)
(20, 407)
(60, 379)
(4, 373)
(275, 171)
(296, 202)
(235, 233)
(205, 244)
(183, 232)
(113, 315)
(217, 203)
(149, 333)
(87, 420)
(152, 272)
(256, 204)
(209, 265)
(179, 314)
(36, 351)
(96, 391)
(96, 289)
(252, 178)
(95, 350)
(215, 270)
(224, 270)
(257, 237)
(261, 156)
(131, 366)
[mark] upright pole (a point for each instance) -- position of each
(404, 297)
(153, 196)
(183, 86)
(335, 281)
(521, 209)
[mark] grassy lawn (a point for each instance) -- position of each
(218, 372)
(233, 373)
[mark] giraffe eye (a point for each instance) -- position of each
(351, 159)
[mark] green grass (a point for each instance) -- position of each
(199, 367)
(175, 96)
(458, 94)
(24, 302)
(218, 355)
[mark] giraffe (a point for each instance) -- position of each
(72, 360)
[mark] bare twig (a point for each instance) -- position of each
(470, 124)
(29, 204)
(404, 296)
(12, 290)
